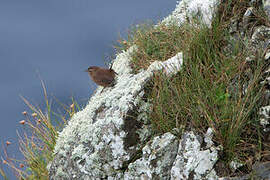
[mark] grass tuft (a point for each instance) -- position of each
(216, 87)
(155, 43)
(38, 138)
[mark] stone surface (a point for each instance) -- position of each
(186, 10)
(262, 170)
(165, 157)
(157, 159)
(266, 7)
(260, 39)
(248, 16)
(264, 116)
(194, 161)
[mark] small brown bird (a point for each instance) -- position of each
(101, 76)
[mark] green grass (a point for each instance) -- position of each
(158, 43)
(216, 87)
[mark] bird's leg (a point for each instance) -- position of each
(102, 90)
(111, 65)
(112, 69)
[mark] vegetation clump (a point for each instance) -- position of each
(216, 87)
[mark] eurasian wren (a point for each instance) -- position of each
(101, 76)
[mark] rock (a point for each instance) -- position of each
(188, 9)
(235, 165)
(167, 158)
(99, 140)
(248, 17)
(157, 159)
(260, 39)
(264, 116)
(259, 171)
(266, 7)
(262, 170)
(194, 161)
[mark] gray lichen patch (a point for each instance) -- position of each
(166, 157)
(157, 159)
(193, 161)
(265, 116)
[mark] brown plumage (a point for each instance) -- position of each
(101, 76)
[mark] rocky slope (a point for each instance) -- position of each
(111, 138)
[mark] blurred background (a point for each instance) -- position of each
(55, 41)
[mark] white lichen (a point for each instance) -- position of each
(188, 9)
(157, 157)
(235, 164)
(264, 113)
(191, 159)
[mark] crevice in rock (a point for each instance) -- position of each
(131, 125)
(136, 156)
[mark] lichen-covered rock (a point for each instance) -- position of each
(165, 157)
(188, 9)
(266, 6)
(260, 42)
(194, 161)
(99, 140)
(260, 39)
(157, 159)
(265, 117)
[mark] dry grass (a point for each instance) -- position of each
(37, 139)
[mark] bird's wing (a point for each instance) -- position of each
(107, 78)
